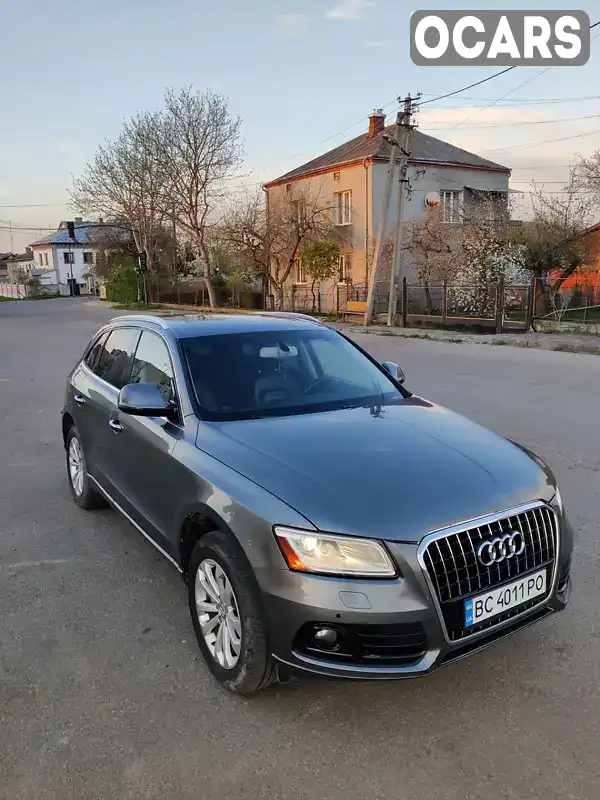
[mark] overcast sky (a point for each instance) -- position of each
(298, 72)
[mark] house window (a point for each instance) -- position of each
(297, 208)
(336, 176)
(88, 258)
(345, 269)
(451, 206)
(299, 271)
(69, 257)
(342, 206)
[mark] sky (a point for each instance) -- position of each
(303, 75)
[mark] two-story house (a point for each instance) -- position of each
(353, 176)
(67, 260)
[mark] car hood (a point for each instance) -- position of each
(395, 472)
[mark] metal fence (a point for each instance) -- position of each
(497, 306)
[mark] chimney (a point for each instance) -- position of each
(376, 122)
(78, 220)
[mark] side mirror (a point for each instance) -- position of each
(394, 370)
(145, 400)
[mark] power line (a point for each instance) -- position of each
(545, 141)
(466, 88)
(514, 124)
(494, 102)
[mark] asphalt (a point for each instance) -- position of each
(102, 690)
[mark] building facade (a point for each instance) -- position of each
(70, 256)
(352, 178)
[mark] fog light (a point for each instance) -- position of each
(326, 636)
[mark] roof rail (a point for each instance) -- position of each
(291, 315)
(140, 318)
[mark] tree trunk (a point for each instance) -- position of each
(212, 297)
(314, 296)
(428, 301)
(278, 297)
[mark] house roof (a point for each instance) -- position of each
(61, 236)
(21, 257)
(423, 149)
(84, 234)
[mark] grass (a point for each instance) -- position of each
(138, 307)
(6, 299)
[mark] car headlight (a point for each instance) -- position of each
(311, 551)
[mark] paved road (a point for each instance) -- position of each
(103, 694)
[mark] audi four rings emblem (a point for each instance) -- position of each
(493, 551)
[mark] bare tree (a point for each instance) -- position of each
(586, 176)
(126, 183)
(553, 243)
(198, 142)
(271, 234)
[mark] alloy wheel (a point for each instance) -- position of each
(76, 465)
(218, 614)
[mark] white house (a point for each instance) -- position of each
(69, 256)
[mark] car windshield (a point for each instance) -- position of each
(275, 373)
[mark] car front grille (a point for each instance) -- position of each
(456, 573)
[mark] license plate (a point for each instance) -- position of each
(490, 604)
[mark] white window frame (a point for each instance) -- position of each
(92, 259)
(342, 209)
(299, 272)
(345, 269)
(68, 257)
(452, 210)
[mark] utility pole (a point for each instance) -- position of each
(11, 235)
(395, 149)
(402, 186)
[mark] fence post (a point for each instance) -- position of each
(337, 299)
(585, 309)
(499, 304)
(404, 302)
(530, 305)
(445, 303)
(293, 308)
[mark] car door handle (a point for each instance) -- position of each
(79, 399)
(115, 425)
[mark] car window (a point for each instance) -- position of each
(335, 361)
(94, 351)
(268, 373)
(114, 362)
(152, 364)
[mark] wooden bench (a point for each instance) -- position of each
(354, 308)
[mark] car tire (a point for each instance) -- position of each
(218, 553)
(81, 489)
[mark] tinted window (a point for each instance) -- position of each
(152, 364)
(94, 351)
(268, 373)
(114, 363)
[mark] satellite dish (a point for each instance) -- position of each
(432, 200)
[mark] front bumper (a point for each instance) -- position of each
(397, 609)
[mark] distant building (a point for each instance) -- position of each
(20, 267)
(4, 266)
(70, 257)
